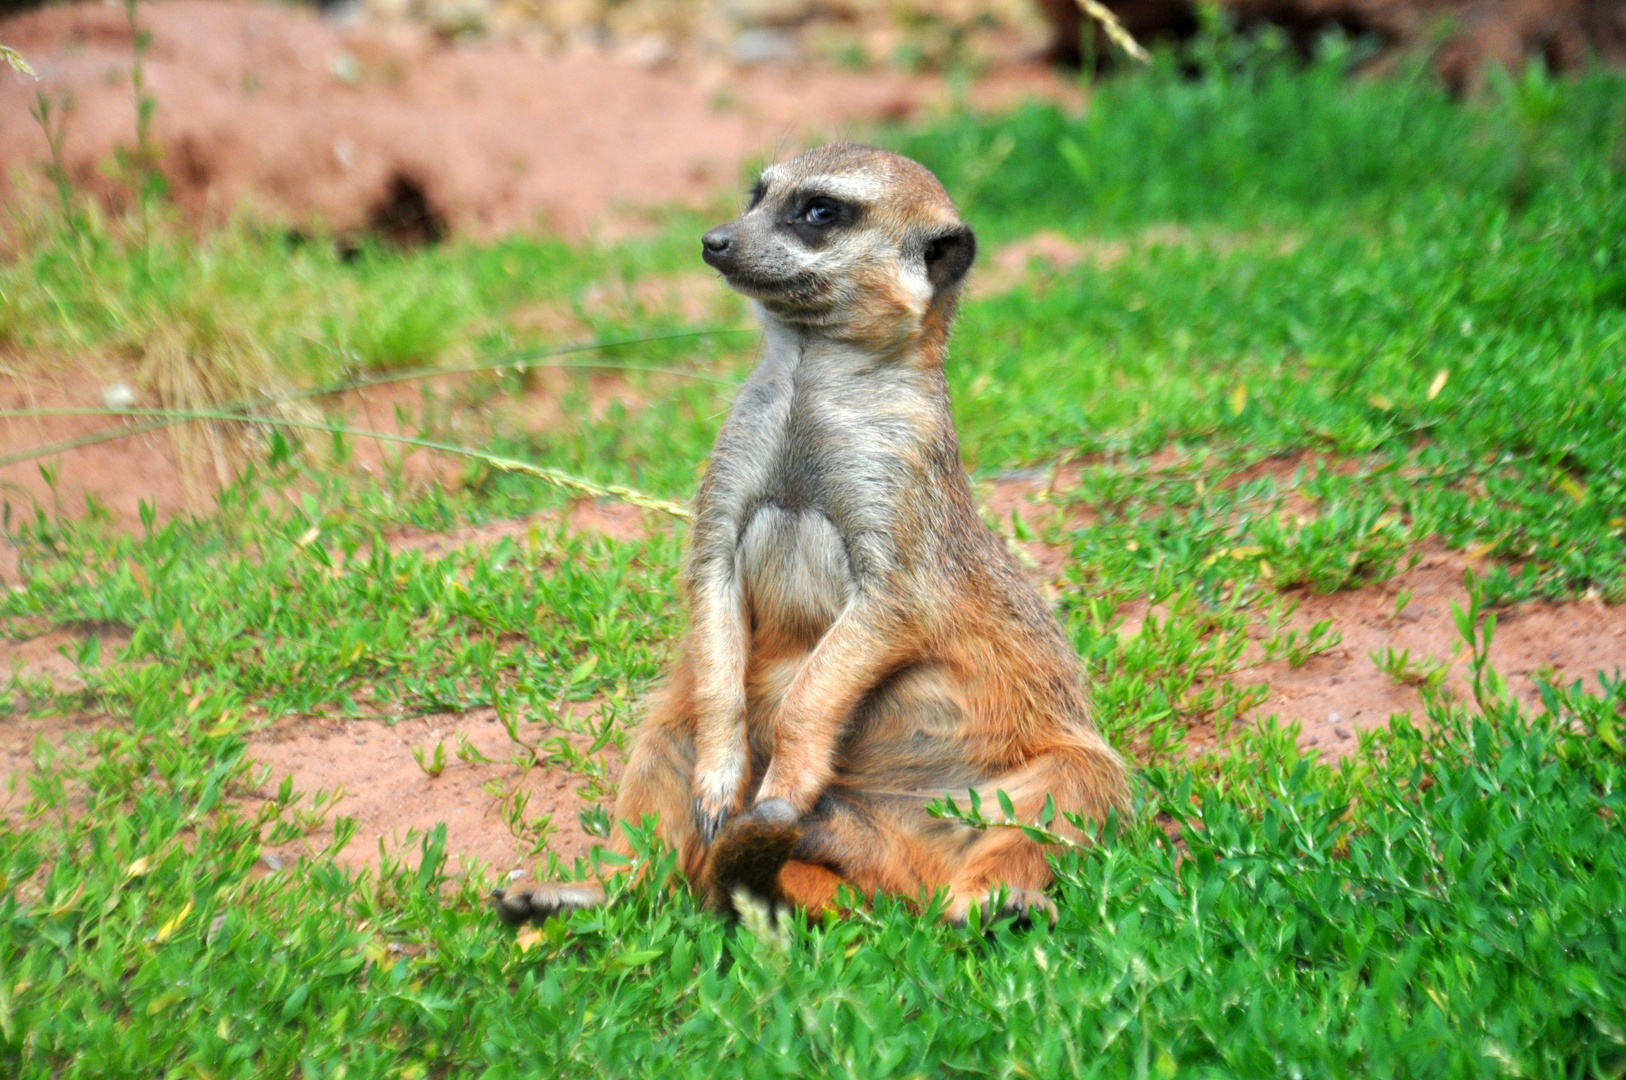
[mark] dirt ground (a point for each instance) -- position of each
(386, 127)
(144, 467)
(394, 800)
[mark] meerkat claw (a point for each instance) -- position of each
(1027, 906)
(1022, 907)
(711, 823)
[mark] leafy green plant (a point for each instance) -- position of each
(595, 820)
(1403, 599)
(1297, 649)
(468, 753)
(1423, 672)
(433, 763)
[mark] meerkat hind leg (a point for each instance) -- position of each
(1005, 866)
(891, 844)
(658, 780)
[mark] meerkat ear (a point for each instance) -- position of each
(949, 256)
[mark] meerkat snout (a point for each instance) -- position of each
(857, 241)
(717, 247)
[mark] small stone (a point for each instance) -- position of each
(648, 51)
(118, 395)
(1341, 731)
(1337, 680)
(346, 68)
(271, 861)
(361, 740)
(1334, 718)
(756, 46)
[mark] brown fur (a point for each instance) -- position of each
(861, 644)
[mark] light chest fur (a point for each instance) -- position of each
(824, 461)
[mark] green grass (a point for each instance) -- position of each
(1451, 900)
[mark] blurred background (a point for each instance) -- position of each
(413, 117)
(238, 204)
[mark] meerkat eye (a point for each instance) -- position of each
(821, 212)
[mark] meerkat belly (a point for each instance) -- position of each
(794, 577)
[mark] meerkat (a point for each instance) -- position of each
(860, 643)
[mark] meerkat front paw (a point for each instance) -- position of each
(794, 790)
(516, 906)
(719, 796)
(711, 816)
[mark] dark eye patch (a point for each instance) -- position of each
(812, 217)
(758, 190)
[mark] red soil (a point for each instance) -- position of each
(389, 793)
(376, 126)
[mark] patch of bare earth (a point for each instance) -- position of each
(119, 475)
(615, 521)
(385, 127)
(49, 654)
(44, 658)
(141, 465)
(1029, 496)
(1335, 694)
(368, 762)
(395, 801)
(18, 738)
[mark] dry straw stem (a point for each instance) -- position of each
(519, 361)
(1115, 29)
(15, 59)
(504, 464)
(200, 363)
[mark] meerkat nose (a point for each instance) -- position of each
(718, 246)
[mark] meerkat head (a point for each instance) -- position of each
(849, 240)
